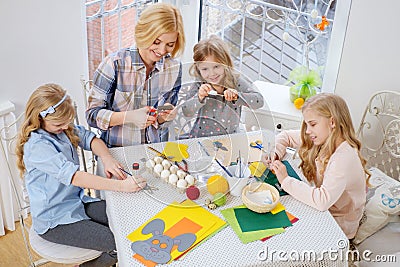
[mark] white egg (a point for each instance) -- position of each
(158, 168)
(181, 174)
(314, 13)
(166, 164)
(158, 160)
(189, 179)
(150, 164)
(172, 179)
(181, 183)
(165, 174)
(285, 36)
(173, 169)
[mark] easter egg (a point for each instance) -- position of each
(150, 164)
(219, 199)
(192, 192)
(189, 179)
(217, 183)
(173, 179)
(158, 168)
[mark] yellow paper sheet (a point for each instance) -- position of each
(257, 168)
(174, 214)
(278, 208)
(176, 150)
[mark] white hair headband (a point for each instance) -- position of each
(52, 109)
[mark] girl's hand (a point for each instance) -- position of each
(230, 94)
(268, 159)
(280, 170)
(204, 89)
(131, 184)
(112, 167)
(167, 115)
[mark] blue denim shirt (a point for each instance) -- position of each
(50, 162)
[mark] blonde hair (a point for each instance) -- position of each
(333, 107)
(216, 47)
(156, 20)
(41, 99)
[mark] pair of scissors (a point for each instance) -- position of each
(258, 144)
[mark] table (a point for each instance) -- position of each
(315, 232)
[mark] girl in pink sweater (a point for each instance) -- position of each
(330, 160)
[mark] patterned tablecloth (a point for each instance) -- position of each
(314, 240)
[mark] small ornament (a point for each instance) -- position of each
(212, 206)
(298, 103)
(285, 36)
(208, 201)
(314, 13)
(324, 22)
(219, 199)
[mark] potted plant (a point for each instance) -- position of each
(306, 85)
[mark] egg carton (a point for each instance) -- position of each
(170, 173)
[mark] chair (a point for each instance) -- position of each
(379, 133)
(50, 252)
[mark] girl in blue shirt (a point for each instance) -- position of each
(48, 160)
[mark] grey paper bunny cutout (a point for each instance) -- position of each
(158, 247)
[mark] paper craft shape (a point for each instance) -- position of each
(182, 222)
(176, 151)
(257, 168)
(278, 208)
(247, 237)
(270, 178)
(292, 219)
(252, 221)
(158, 247)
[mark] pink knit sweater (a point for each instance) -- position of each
(341, 190)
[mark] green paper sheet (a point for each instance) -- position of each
(247, 237)
(270, 178)
(252, 221)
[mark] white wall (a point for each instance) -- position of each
(41, 42)
(370, 58)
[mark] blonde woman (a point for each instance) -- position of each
(330, 160)
(219, 92)
(47, 158)
(132, 81)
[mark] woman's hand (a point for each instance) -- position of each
(112, 167)
(204, 89)
(140, 117)
(230, 94)
(280, 170)
(131, 184)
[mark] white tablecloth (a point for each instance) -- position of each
(316, 233)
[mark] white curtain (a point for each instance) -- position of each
(8, 203)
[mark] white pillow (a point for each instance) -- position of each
(383, 200)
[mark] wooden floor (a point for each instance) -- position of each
(13, 252)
